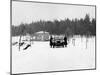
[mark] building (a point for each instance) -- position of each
(42, 36)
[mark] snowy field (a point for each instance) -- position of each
(41, 58)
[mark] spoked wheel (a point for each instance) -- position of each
(53, 46)
(62, 45)
(65, 45)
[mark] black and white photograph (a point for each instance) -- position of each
(52, 37)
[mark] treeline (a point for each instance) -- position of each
(81, 26)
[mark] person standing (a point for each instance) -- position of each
(51, 41)
(65, 41)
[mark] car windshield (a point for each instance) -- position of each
(59, 37)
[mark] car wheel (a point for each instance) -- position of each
(63, 45)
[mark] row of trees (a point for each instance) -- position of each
(81, 26)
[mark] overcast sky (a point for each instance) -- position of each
(26, 12)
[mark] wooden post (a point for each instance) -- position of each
(19, 42)
(73, 41)
(86, 42)
(81, 38)
(30, 40)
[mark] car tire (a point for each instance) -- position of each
(63, 45)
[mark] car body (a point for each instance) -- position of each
(57, 42)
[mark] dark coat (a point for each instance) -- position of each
(65, 40)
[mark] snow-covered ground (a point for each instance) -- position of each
(41, 58)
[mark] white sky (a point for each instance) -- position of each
(26, 12)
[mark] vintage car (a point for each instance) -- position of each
(57, 42)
